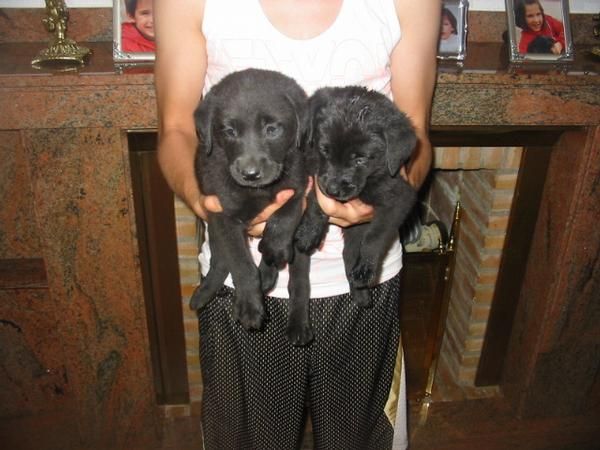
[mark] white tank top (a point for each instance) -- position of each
(354, 50)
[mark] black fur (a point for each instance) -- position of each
(541, 44)
(358, 140)
(250, 127)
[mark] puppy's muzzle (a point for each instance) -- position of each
(342, 190)
(255, 171)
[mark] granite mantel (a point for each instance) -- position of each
(484, 93)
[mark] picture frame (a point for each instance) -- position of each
(133, 31)
(539, 31)
(453, 33)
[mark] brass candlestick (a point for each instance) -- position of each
(62, 53)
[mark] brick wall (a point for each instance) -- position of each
(187, 247)
(483, 179)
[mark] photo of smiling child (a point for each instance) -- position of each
(540, 32)
(449, 40)
(137, 31)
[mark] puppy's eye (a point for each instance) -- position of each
(229, 132)
(360, 160)
(273, 131)
(324, 149)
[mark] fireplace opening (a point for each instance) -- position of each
(158, 254)
(497, 176)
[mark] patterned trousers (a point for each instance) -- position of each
(257, 386)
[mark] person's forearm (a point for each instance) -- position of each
(413, 64)
(420, 163)
(176, 153)
(179, 72)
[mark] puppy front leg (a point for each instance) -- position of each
(216, 275)
(353, 237)
(313, 226)
(276, 245)
(377, 240)
(299, 331)
(248, 307)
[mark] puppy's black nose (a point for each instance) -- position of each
(251, 173)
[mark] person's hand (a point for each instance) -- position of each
(344, 214)
(557, 48)
(204, 204)
(257, 225)
(210, 203)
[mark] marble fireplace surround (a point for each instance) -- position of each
(67, 201)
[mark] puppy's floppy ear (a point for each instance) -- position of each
(203, 119)
(315, 103)
(400, 141)
(300, 110)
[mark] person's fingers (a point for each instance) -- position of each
(344, 214)
(353, 213)
(556, 48)
(256, 230)
(198, 209)
(403, 173)
(257, 226)
(211, 203)
(309, 186)
(280, 199)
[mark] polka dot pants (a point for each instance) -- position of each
(257, 385)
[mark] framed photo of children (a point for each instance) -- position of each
(539, 31)
(133, 30)
(453, 30)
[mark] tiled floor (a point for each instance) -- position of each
(484, 424)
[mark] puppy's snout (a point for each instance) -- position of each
(342, 190)
(249, 169)
(255, 170)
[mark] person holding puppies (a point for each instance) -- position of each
(256, 384)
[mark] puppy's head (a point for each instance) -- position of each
(541, 44)
(252, 119)
(358, 135)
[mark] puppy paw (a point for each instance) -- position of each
(275, 253)
(307, 238)
(361, 298)
(200, 298)
(363, 273)
(299, 333)
(268, 276)
(249, 313)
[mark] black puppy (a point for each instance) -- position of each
(358, 141)
(250, 127)
(541, 44)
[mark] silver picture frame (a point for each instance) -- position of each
(453, 33)
(551, 44)
(121, 52)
